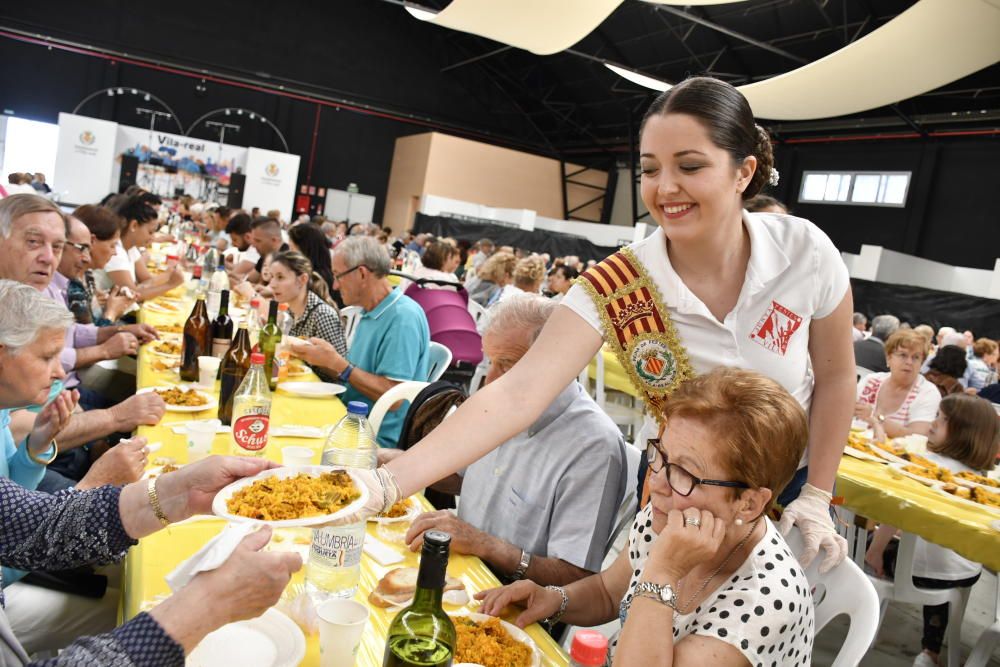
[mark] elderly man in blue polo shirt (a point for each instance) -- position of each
(543, 504)
(391, 341)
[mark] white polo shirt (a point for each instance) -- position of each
(124, 260)
(795, 275)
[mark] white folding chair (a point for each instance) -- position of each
(622, 415)
(438, 362)
(843, 590)
(404, 391)
(349, 318)
(477, 312)
(479, 376)
(626, 511)
(987, 641)
(856, 536)
(902, 589)
(862, 372)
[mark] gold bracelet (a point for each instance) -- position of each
(40, 461)
(154, 502)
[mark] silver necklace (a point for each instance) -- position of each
(705, 583)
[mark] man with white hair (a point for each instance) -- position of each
(391, 341)
(543, 504)
(859, 323)
(870, 352)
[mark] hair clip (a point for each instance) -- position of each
(772, 180)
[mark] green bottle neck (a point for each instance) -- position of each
(427, 599)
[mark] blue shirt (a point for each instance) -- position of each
(392, 340)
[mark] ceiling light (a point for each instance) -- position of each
(227, 112)
(251, 116)
(639, 79)
(263, 120)
(111, 93)
(422, 14)
(239, 112)
(146, 97)
(121, 92)
(135, 92)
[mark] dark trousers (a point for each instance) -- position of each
(935, 616)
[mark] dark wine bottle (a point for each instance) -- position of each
(222, 327)
(422, 635)
(197, 340)
(234, 367)
(270, 336)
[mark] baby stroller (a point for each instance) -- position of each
(451, 324)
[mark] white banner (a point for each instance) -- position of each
(85, 159)
(271, 178)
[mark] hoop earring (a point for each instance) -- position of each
(738, 522)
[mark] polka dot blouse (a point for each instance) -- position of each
(764, 609)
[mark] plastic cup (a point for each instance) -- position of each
(200, 435)
(293, 455)
(208, 370)
(341, 623)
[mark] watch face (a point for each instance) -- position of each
(666, 593)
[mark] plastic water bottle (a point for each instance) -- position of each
(589, 649)
(334, 565)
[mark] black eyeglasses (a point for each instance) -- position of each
(81, 247)
(679, 479)
(338, 276)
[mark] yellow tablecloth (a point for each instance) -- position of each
(155, 556)
(614, 375)
(875, 491)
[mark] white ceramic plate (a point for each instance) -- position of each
(270, 640)
(412, 510)
(969, 484)
(926, 481)
(220, 509)
(311, 389)
(162, 308)
(864, 456)
(212, 403)
(968, 503)
(152, 348)
(514, 631)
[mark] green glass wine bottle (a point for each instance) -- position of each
(270, 337)
(422, 635)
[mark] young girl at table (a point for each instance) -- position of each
(294, 282)
(963, 437)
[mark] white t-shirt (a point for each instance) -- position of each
(249, 255)
(123, 260)
(795, 275)
(920, 405)
(765, 609)
(934, 561)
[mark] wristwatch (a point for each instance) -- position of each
(522, 566)
(881, 418)
(663, 594)
(345, 375)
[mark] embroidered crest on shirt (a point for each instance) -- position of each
(637, 327)
(775, 328)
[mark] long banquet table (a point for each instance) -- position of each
(155, 556)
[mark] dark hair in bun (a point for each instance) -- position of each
(727, 116)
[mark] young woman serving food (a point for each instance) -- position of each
(712, 286)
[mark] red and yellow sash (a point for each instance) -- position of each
(637, 327)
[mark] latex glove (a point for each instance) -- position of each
(383, 493)
(811, 513)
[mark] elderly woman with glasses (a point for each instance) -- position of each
(901, 401)
(702, 557)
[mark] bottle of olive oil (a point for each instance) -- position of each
(422, 635)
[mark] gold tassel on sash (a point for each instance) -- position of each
(637, 327)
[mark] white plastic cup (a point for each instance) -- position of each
(297, 456)
(200, 435)
(208, 369)
(341, 624)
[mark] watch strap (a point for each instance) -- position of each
(345, 375)
(522, 566)
(556, 617)
(663, 594)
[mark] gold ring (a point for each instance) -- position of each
(688, 521)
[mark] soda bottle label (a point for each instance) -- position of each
(250, 432)
(336, 549)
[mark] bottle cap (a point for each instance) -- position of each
(255, 302)
(357, 408)
(196, 271)
(589, 647)
(172, 258)
(282, 306)
(258, 358)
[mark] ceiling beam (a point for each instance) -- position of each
(687, 16)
